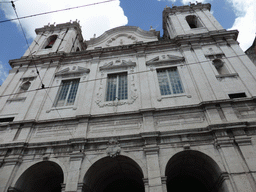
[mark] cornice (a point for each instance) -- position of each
(187, 8)
(184, 40)
(137, 112)
(53, 27)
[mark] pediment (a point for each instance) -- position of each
(118, 64)
(119, 36)
(165, 59)
(75, 70)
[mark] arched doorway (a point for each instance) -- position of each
(193, 171)
(45, 176)
(114, 174)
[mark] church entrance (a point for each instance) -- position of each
(114, 174)
(193, 171)
(42, 177)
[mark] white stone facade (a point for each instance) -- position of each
(131, 111)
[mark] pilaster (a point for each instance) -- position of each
(74, 171)
(153, 167)
(145, 95)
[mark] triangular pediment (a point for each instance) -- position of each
(120, 36)
(117, 64)
(165, 59)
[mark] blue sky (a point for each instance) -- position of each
(232, 14)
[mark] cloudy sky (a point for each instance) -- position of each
(97, 18)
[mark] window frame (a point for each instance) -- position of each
(118, 74)
(170, 84)
(67, 95)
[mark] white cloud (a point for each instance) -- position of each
(3, 73)
(168, 0)
(245, 21)
(185, 2)
(93, 19)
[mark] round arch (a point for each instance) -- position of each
(120, 173)
(193, 170)
(41, 177)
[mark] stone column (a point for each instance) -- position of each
(63, 186)
(145, 181)
(153, 167)
(224, 145)
(247, 155)
(164, 181)
(74, 171)
(8, 171)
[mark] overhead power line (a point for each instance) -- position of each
(39, 14)
(7, 1)
(102, 78)
(14, 8)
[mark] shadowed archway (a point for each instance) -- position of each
(45, 176)
(114, 174)
(193, 171)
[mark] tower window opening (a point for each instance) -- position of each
(193, 21)
(50, 41)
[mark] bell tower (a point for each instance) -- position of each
(189, 20)
(66, 37)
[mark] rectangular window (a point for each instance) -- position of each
(169, 81)
(67, 93)
(117, 87)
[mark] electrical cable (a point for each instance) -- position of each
(49, 12)
(97, 79)
(7, 1)
(42, 85)
(12, 2)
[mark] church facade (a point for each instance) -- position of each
(129, 110)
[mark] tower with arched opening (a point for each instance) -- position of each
(130, 111)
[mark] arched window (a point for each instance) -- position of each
(193, 21)
(50, 41)
(220, 67)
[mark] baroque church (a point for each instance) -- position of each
(130, 110)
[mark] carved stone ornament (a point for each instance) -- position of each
(122, 39)
(113, 148)
(165, 59)
(72, 71)
(118, 64)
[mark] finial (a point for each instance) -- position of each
(151, 29)
(94, 36)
